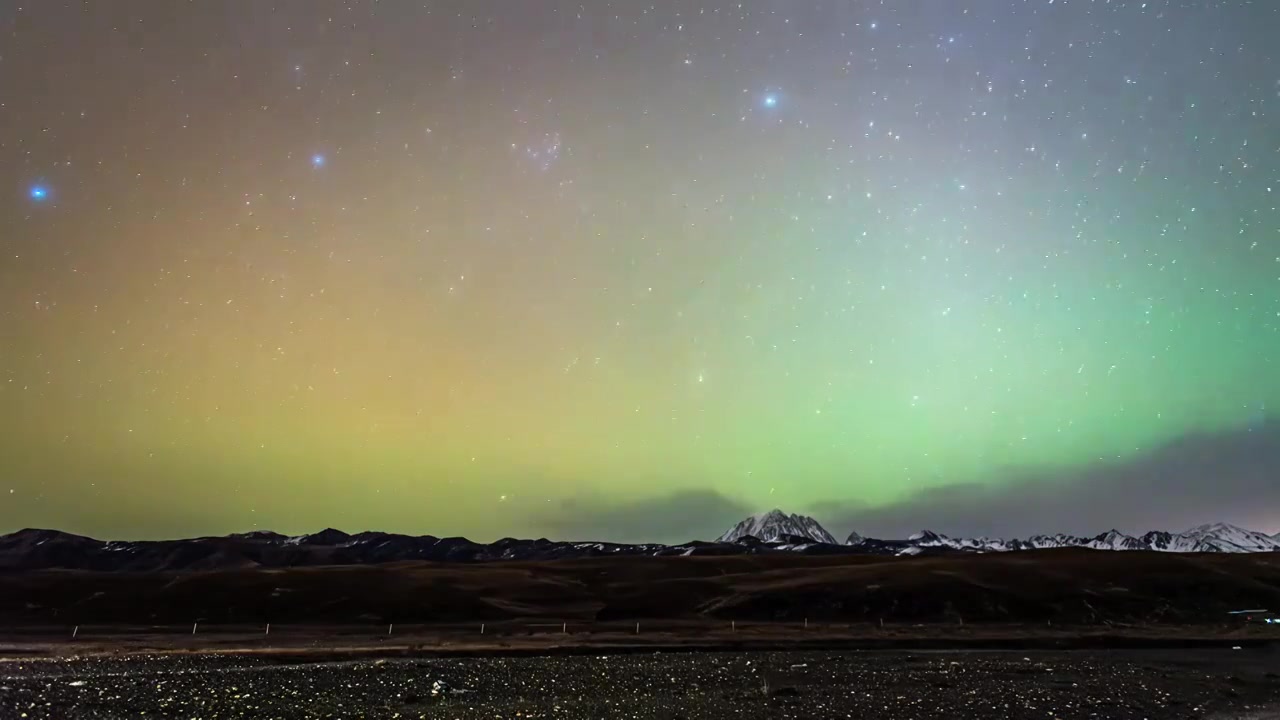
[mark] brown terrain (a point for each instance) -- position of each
(1041, 592)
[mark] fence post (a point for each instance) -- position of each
(389, 626)
(564, 628)
(193, 627)
(268, 632)
(733, 624)
(481, 628)
(76, 631)
(637, 628)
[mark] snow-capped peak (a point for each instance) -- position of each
(1225, 537)
(1115, 540)
(1218, 528)
(776, 525)
(928, 537)
(854, 539)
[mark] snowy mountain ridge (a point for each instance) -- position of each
(1214, 537)
(777, 526)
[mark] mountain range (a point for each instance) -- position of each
(1216, 537)
(770, 532)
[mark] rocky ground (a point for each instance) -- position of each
(811, 685)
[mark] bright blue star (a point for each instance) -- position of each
(317, 160)
(39, 192)
(770, 101)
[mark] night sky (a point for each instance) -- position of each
(629, 270)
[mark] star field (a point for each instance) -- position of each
(466, 267)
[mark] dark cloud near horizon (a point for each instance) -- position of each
(1231, 476)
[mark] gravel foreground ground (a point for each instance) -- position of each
(797, 685)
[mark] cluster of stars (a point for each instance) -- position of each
(859, 249)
